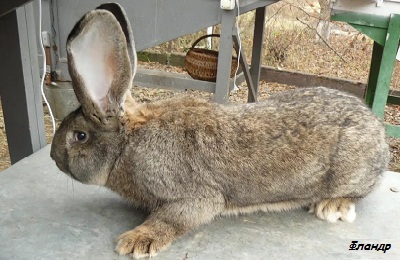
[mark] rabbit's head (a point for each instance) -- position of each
(102, 63)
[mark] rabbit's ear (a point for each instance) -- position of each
(100, 51)
(122, 18)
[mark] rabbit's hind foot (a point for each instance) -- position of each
(334, 209)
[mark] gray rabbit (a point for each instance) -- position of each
(187, 160)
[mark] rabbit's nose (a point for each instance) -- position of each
(58, 162)
(58, 157)
(53, 155)
(62, 167)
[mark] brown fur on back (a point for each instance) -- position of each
(306, 144)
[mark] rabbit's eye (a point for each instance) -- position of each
(80, 136)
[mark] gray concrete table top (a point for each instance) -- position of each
(44, 215)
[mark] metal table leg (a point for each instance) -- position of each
(252, 75)
(256, 57)
(224, 57)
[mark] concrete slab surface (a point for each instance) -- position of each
(44, 215)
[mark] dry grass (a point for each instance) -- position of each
(289, 43)
(4, 154)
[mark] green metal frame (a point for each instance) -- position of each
(385, 31)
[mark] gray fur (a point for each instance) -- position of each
(187, 160)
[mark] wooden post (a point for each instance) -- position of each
(19, 77)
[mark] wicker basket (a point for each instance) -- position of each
(202, 63)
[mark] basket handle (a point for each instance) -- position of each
(210, 35)
(203, 37)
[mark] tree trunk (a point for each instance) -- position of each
(323, 28)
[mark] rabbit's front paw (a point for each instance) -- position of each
(143, 241)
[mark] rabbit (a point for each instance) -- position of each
(187, 160)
